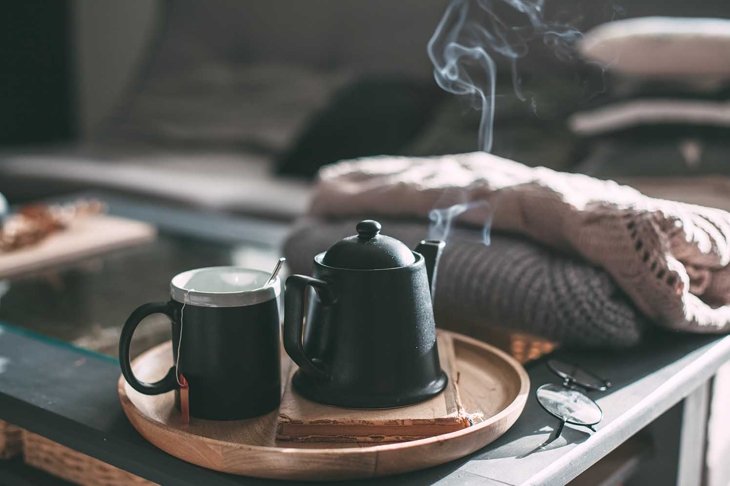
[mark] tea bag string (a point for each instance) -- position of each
(179, 339)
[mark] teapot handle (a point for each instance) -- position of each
(296, 285)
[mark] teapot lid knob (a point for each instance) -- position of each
(368, 229)
(368, 250)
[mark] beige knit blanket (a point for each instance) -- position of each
(672, 259)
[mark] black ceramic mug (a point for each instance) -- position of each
(225, 327)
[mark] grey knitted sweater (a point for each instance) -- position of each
(512, 283)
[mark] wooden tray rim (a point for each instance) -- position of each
(517, 403)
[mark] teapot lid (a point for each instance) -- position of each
(368, 250)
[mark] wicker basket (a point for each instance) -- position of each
(73, 466)
(11, 440)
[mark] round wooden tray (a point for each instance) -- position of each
(491, 384)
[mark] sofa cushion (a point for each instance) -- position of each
(253, 107)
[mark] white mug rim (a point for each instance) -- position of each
(237, 298)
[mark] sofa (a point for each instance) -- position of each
(228, 85)
(224, 87)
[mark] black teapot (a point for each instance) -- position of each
(370, 337)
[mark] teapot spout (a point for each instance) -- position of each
(431, 251)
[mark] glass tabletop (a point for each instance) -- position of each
(85, 303)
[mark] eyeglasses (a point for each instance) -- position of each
(566, 402)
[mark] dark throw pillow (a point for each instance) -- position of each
(371, 116)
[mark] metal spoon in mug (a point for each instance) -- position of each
(275, 272)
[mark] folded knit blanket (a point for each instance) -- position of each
(512, 284)
(671, 259)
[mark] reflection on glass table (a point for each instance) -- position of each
(86, 302)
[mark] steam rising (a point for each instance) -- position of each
(470, 35)
(442, 220)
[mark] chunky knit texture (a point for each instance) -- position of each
(512, 283)
(671, 259)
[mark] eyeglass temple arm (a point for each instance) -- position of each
(569, 380)
(554, 436)
(558, 431)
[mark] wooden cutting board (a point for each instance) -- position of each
(84, 237)
(492, 386)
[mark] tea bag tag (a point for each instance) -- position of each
(184, 399)
(181, 380)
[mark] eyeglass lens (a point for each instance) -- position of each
(569, 405)
(578, 376)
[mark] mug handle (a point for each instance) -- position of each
(166, 384)
(296, 286)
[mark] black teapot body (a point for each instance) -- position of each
(370, 337)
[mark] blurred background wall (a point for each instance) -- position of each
(111, 40)
(66, 63)
(36, 102)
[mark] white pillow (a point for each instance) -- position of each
(668, 47)
(639, 112)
